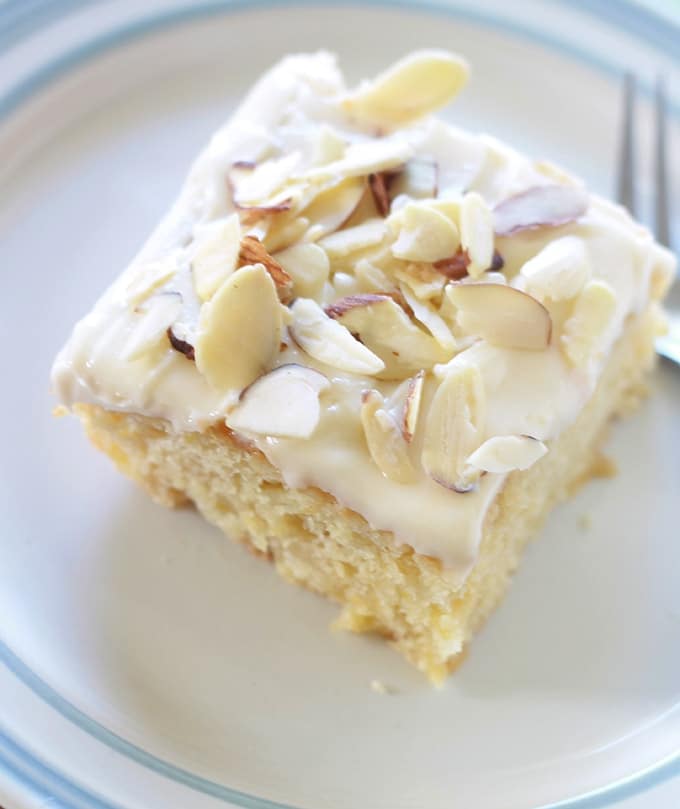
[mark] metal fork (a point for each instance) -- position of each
(668, 345)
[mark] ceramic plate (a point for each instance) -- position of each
(147, 662)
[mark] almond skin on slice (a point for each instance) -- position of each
(505, 453)
(414, 86)
(414, 395)
(214, 254)
(252, 251)
(454, 424)
(239, 330)
(330, 342)
(282, 403)
(541, 206)
(501, 315)
(386, 444)
(384, 327)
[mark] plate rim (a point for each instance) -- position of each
(21, 20)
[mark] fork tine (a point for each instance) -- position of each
(626, 173)
(662, 213)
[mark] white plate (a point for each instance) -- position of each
(150, 663)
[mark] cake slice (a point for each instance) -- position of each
(371, 346)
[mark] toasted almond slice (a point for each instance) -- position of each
(501, 315)
(308, 266)
(365, 157)
(541, 206)
(330, 209)
(504, 453)
(252, 214)
(385, 442)
(259, 184)
(252, 251)
(148, 278)
(424, 313)
(152, 319)
(330, 342)
(343, 242)
(455, 421)
(476, 233)
(239, 330)
(559, 271)
(411, 411)
(424, 234)
(379, 183)
(417, 180)
(214, 254)
(283, 403)
(590, 320)
(384, 327)
(416, 85)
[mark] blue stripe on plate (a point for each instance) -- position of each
(20, 19)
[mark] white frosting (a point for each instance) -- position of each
(536, 393)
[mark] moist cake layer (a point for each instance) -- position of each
(391, 310)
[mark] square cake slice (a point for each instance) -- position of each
(373, 347)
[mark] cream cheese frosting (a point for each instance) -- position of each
(456, 300)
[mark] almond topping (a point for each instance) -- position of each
(152, 318)
(414, 86)
(329, 342)
(454, 424)
(239, 330)
(331, 209)
(379, 183)
(585, 330)
(454, 267)
(307, 264)
(504, 453)
(148, 278)
(559, 271)
(214, 254)
(414, 395)
(343, 242)
(384, 327)
(417, 180)
(425, 314)
(283, 403)
(476, 233)
(501, 315)
(541, 206)
(385, 442)
(252, 251)
(425, 234)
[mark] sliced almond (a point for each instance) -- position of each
(239, 330)
(283, 403)
(329, 146)
(251, 214)
(476, 233)
(559, 271)
(148, 278)
(331, 209)
(371, 278)
(421, 83)
(259, 184)
(417, 180)
(283, 232)
(384, 327)
(365, 157)
(663, 273)
(379, 183)
(501, 315)
(151, 321)
(454, 267)
(307, 264)
(425, 314)
(584, 332)
(328, 341)
(386, 444)
(252, 251)
(454, 424)
(424, 234)
(541, 206)
(214, 254)
(350, 240)
(505, 453)
(411, 411)
(425, 282)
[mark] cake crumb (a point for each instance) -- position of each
(380, 688)
(584, 522)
